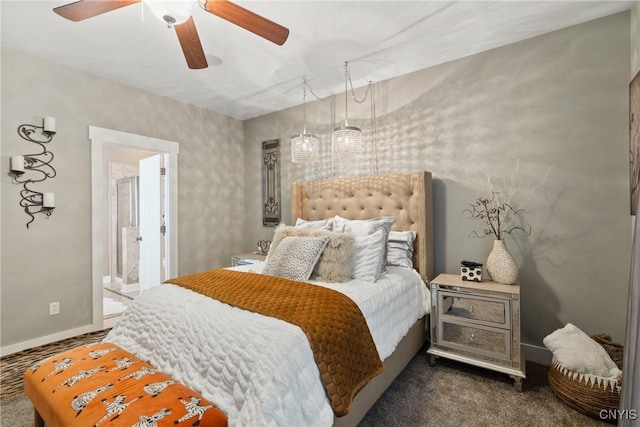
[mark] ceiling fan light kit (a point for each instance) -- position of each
(172, 12)
(179, 15)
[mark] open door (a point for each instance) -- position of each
(151, 214)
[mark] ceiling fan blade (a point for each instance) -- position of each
(246, 19)
(84, 9)
(191, 46)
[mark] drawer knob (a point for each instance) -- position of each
(471, 309)
(472, 337)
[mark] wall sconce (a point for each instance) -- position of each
(24, 167)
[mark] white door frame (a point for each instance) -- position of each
(100, 137)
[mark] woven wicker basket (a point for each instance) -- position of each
(616, 351)
(589, 394)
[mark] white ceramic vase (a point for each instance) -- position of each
(500, 264)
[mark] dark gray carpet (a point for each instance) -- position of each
(16, 411)
(455, 394)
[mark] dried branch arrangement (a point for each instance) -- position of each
(498, 209)
(497, 217)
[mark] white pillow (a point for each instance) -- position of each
(368, 256)
(364, 227)
(322, 224)
(580, 353)
(295, 257)
(400, 248)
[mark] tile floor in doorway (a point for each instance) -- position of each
(112, 291)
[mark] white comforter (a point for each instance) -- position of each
(257, 369)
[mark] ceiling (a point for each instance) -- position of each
(249, 76)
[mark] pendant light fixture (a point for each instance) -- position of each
(346, 139)
(304, 147)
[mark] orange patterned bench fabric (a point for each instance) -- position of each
(104, 385)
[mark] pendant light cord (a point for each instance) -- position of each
(347, 78)
(346, 75)
(373, 127)
(308, 85)
(304, 105)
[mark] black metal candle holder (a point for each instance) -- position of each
(32, 201)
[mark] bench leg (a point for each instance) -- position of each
(37, 419)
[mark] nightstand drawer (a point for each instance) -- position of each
(483, 310)
(486, 341)
(243, 261)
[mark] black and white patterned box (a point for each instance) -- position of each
(471, 271)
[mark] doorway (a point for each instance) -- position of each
(135, 214)
(121, 285)
(112, 257)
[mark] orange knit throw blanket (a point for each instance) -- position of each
(342, 345)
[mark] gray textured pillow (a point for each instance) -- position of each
(335, 263)
(295, 257)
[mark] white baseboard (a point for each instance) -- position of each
(106, 279)
(537, 354)
(36, 342)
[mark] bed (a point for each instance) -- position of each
(228, 354)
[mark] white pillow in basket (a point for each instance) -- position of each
(578, 352)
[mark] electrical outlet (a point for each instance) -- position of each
(54, 308)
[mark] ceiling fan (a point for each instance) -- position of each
(178, 14)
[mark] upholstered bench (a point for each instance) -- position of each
(104, 385)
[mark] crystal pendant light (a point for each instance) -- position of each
(304, 147)
(346, 139)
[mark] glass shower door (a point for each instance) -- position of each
(127, 221)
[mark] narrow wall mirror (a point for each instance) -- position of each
(271, 183)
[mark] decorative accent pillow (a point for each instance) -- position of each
(295, 257)
(322, 224)
(364, 227)
(335, 263)
(400, 248)
(369, 254)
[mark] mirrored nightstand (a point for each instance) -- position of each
(477, 323)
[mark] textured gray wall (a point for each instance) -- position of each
(52, 260)
(559, 99)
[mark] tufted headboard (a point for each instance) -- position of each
(407, 197)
